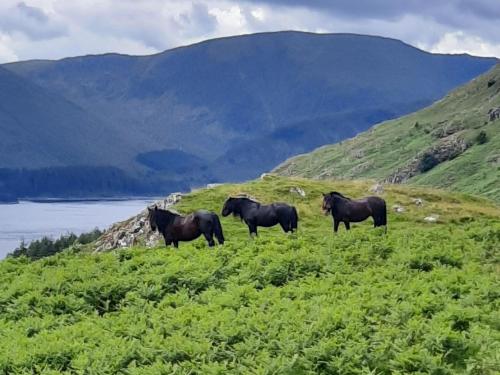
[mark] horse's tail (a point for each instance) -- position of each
(383, 215)
(218, 229)
(294, 219)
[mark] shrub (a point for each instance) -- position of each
(482, 137)
(427, 162)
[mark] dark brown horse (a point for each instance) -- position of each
(175, 227)
(348, 211)
(256, 215)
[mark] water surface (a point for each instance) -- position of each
(33, 220)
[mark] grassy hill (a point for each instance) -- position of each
(422, 299)
(447, 134)
(229, 108)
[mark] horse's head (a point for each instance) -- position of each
(228, 207)
(327, 203)
(152, 218)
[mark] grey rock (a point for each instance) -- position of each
(134, 230)
(297, 190)
(377, 189)
(399, 209)
(494, 113)
(431, 218)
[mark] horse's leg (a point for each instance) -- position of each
(176, 244)
(347, 225)
(284, 226)
(252, 228)
(379, 222)
(168, 241)
(336, 225)
(210, 239)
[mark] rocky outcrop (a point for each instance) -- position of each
(377, 189)
(447, 130)
(298, 191)
(448, 149)
(494, 114)
(135, 230)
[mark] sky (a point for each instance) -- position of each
(52, 29)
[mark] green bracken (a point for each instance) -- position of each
(422, 299)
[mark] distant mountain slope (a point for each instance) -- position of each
(452, 144)
(40, 128)
(241, 105)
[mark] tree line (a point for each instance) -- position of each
(47, 246)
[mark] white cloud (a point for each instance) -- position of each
(459, 42)
(6, 54)
(31, 21)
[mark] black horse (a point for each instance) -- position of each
(175, 227)
(346, 210)
(255, 214)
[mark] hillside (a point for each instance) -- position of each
(422, 299)
(32, 121)
(231, 108)
(451, 144)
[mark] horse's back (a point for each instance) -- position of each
(203, 214)
(374, 200)
(281, 206)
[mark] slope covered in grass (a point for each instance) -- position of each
(422, 299)
(395, 149)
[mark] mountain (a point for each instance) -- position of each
(221, 110)
(51, 146)
(454, 143)
(40, 128)
(422, 299)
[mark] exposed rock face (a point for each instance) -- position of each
(494, 114)
(298, 191)
(418, 201)
(431, 218)
(135, 230)
(399, 209)
(377, 189)
(448, 130)
(448, 149)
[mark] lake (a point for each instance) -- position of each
(33, 220)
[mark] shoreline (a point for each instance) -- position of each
(82, 200)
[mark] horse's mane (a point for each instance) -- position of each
(163, 212)
(339, 195)
(245, 197)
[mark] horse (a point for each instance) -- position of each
(255, 214)
(346, 210)
(175, 227)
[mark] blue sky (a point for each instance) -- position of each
(53, 29)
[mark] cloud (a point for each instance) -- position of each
(31, 21)
(6, 54)
(458, 42)
(198, 20)
(60, 28)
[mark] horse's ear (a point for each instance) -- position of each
(149, 209)
(156, 207)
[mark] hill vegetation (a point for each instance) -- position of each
(452, 144)
(421, 299)
(228, 109)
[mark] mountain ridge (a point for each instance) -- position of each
(237, 102)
